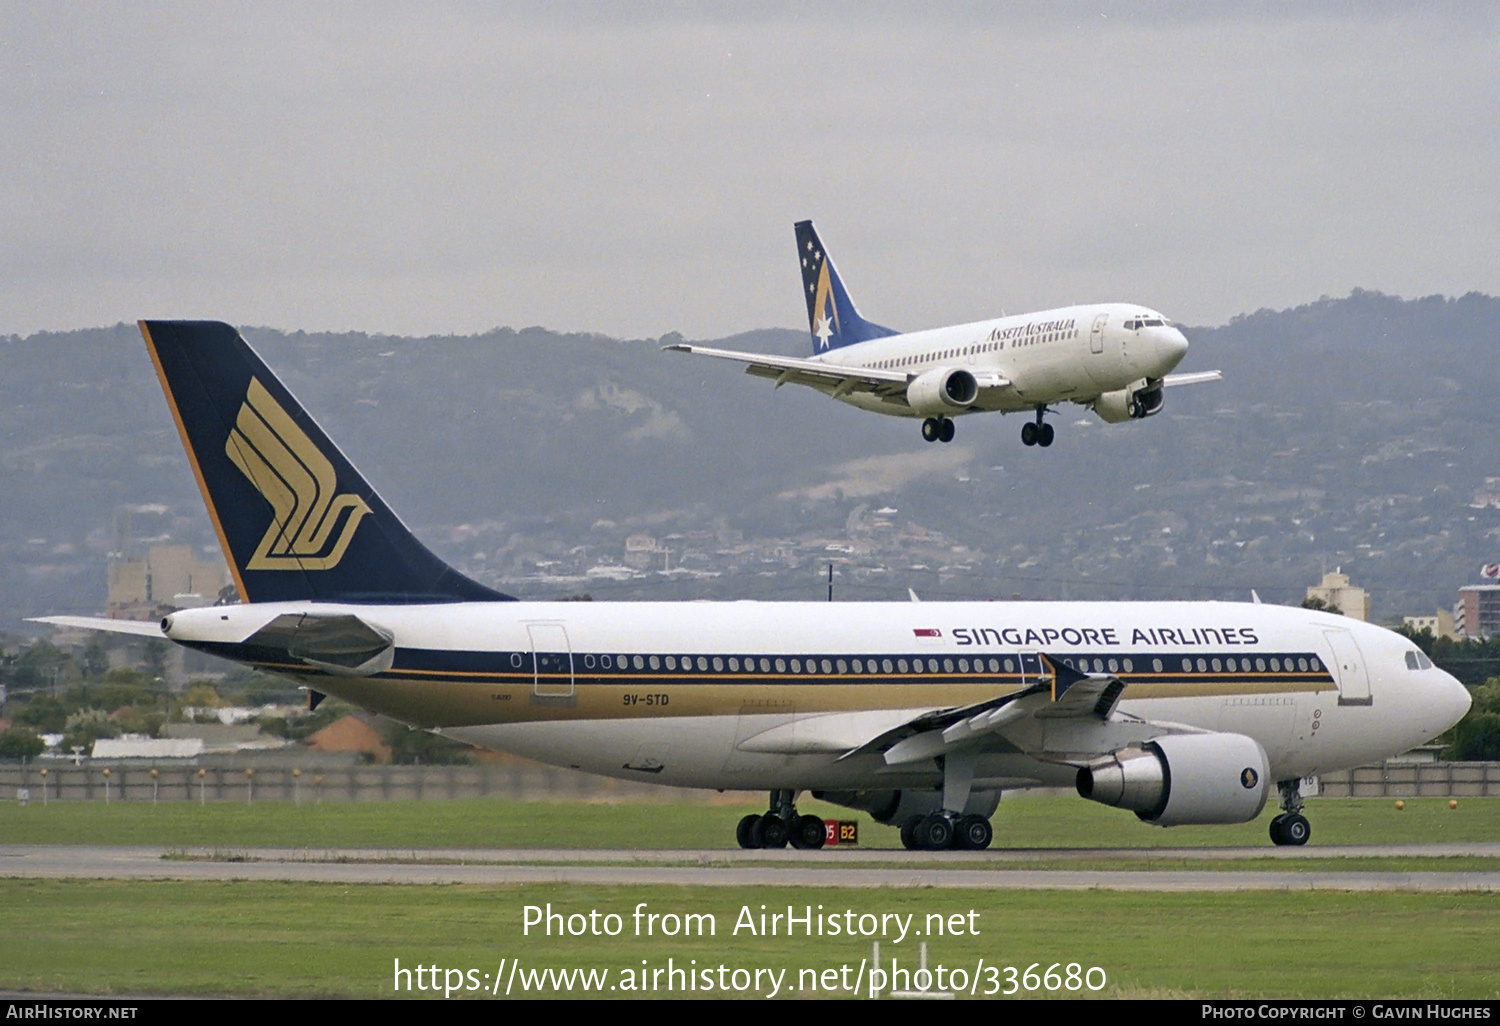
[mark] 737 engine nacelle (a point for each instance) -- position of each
(1183, 778)
(1135, 403)
(942, 390)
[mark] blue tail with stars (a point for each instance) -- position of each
(831, 316)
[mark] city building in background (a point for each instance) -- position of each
(1338, 593)
(168, 577)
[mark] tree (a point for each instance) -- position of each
(1313, 602)
(1477, 736)
(154, 657)
(19, 743)
(95, 659)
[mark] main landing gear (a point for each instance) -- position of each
(1037, 433)
(1291, 827)
(937, 429)
(781, 825)
(940, 831)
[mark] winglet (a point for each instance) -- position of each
(1063, 676)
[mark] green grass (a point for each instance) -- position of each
(275, 939)
(1020, 822)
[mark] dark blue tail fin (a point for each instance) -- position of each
(296, 520)
(831, 316)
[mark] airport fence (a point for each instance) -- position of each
(137, 782)
(134, 782)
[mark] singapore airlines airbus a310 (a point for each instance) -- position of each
(1113, 358)
(919, 713)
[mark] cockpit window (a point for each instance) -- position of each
(1411, 660)
(1418, 661)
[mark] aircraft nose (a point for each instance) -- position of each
(1171, 347)
(1454, 700)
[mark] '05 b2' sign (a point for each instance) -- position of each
(840, 832)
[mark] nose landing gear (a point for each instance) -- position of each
(937, 429)
(1037, 432)
(780, 825)
(1291, 827)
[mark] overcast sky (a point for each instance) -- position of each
(635, 169)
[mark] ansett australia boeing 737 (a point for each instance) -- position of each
(919, 713)
(1113, 358)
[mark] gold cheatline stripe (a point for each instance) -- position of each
(208, 499)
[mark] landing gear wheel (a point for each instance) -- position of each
(808, 833)
(932, 430)
(945, 433)
(974, 834)
(1291, 827)
(934, 832)
(768, 832)
(909, 835)
(1044, 435)
(745, 831)
(1028, 433)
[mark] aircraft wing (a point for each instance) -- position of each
(906, 738)
(1196, 378)
(833, 378)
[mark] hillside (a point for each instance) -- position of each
(1357, 432)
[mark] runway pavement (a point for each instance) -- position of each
(733, 868)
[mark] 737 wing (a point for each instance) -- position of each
(830, 378)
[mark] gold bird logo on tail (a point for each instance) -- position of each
(298, 481)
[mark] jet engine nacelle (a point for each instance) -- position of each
(897, 807)
(1132, 403)
(942, 390)
(1183, 778)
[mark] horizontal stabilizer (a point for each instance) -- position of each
(144, 628)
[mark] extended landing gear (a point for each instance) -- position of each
(937, 429)
(1037, 432)
(941, 831)
(781, 825)
(1291, 827)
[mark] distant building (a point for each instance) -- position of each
(169, 577)
(642, 550)
(1339, 594)
(1441, 625)
(1477, 614)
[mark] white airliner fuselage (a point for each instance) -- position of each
(784, 695)
(1076, 353)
